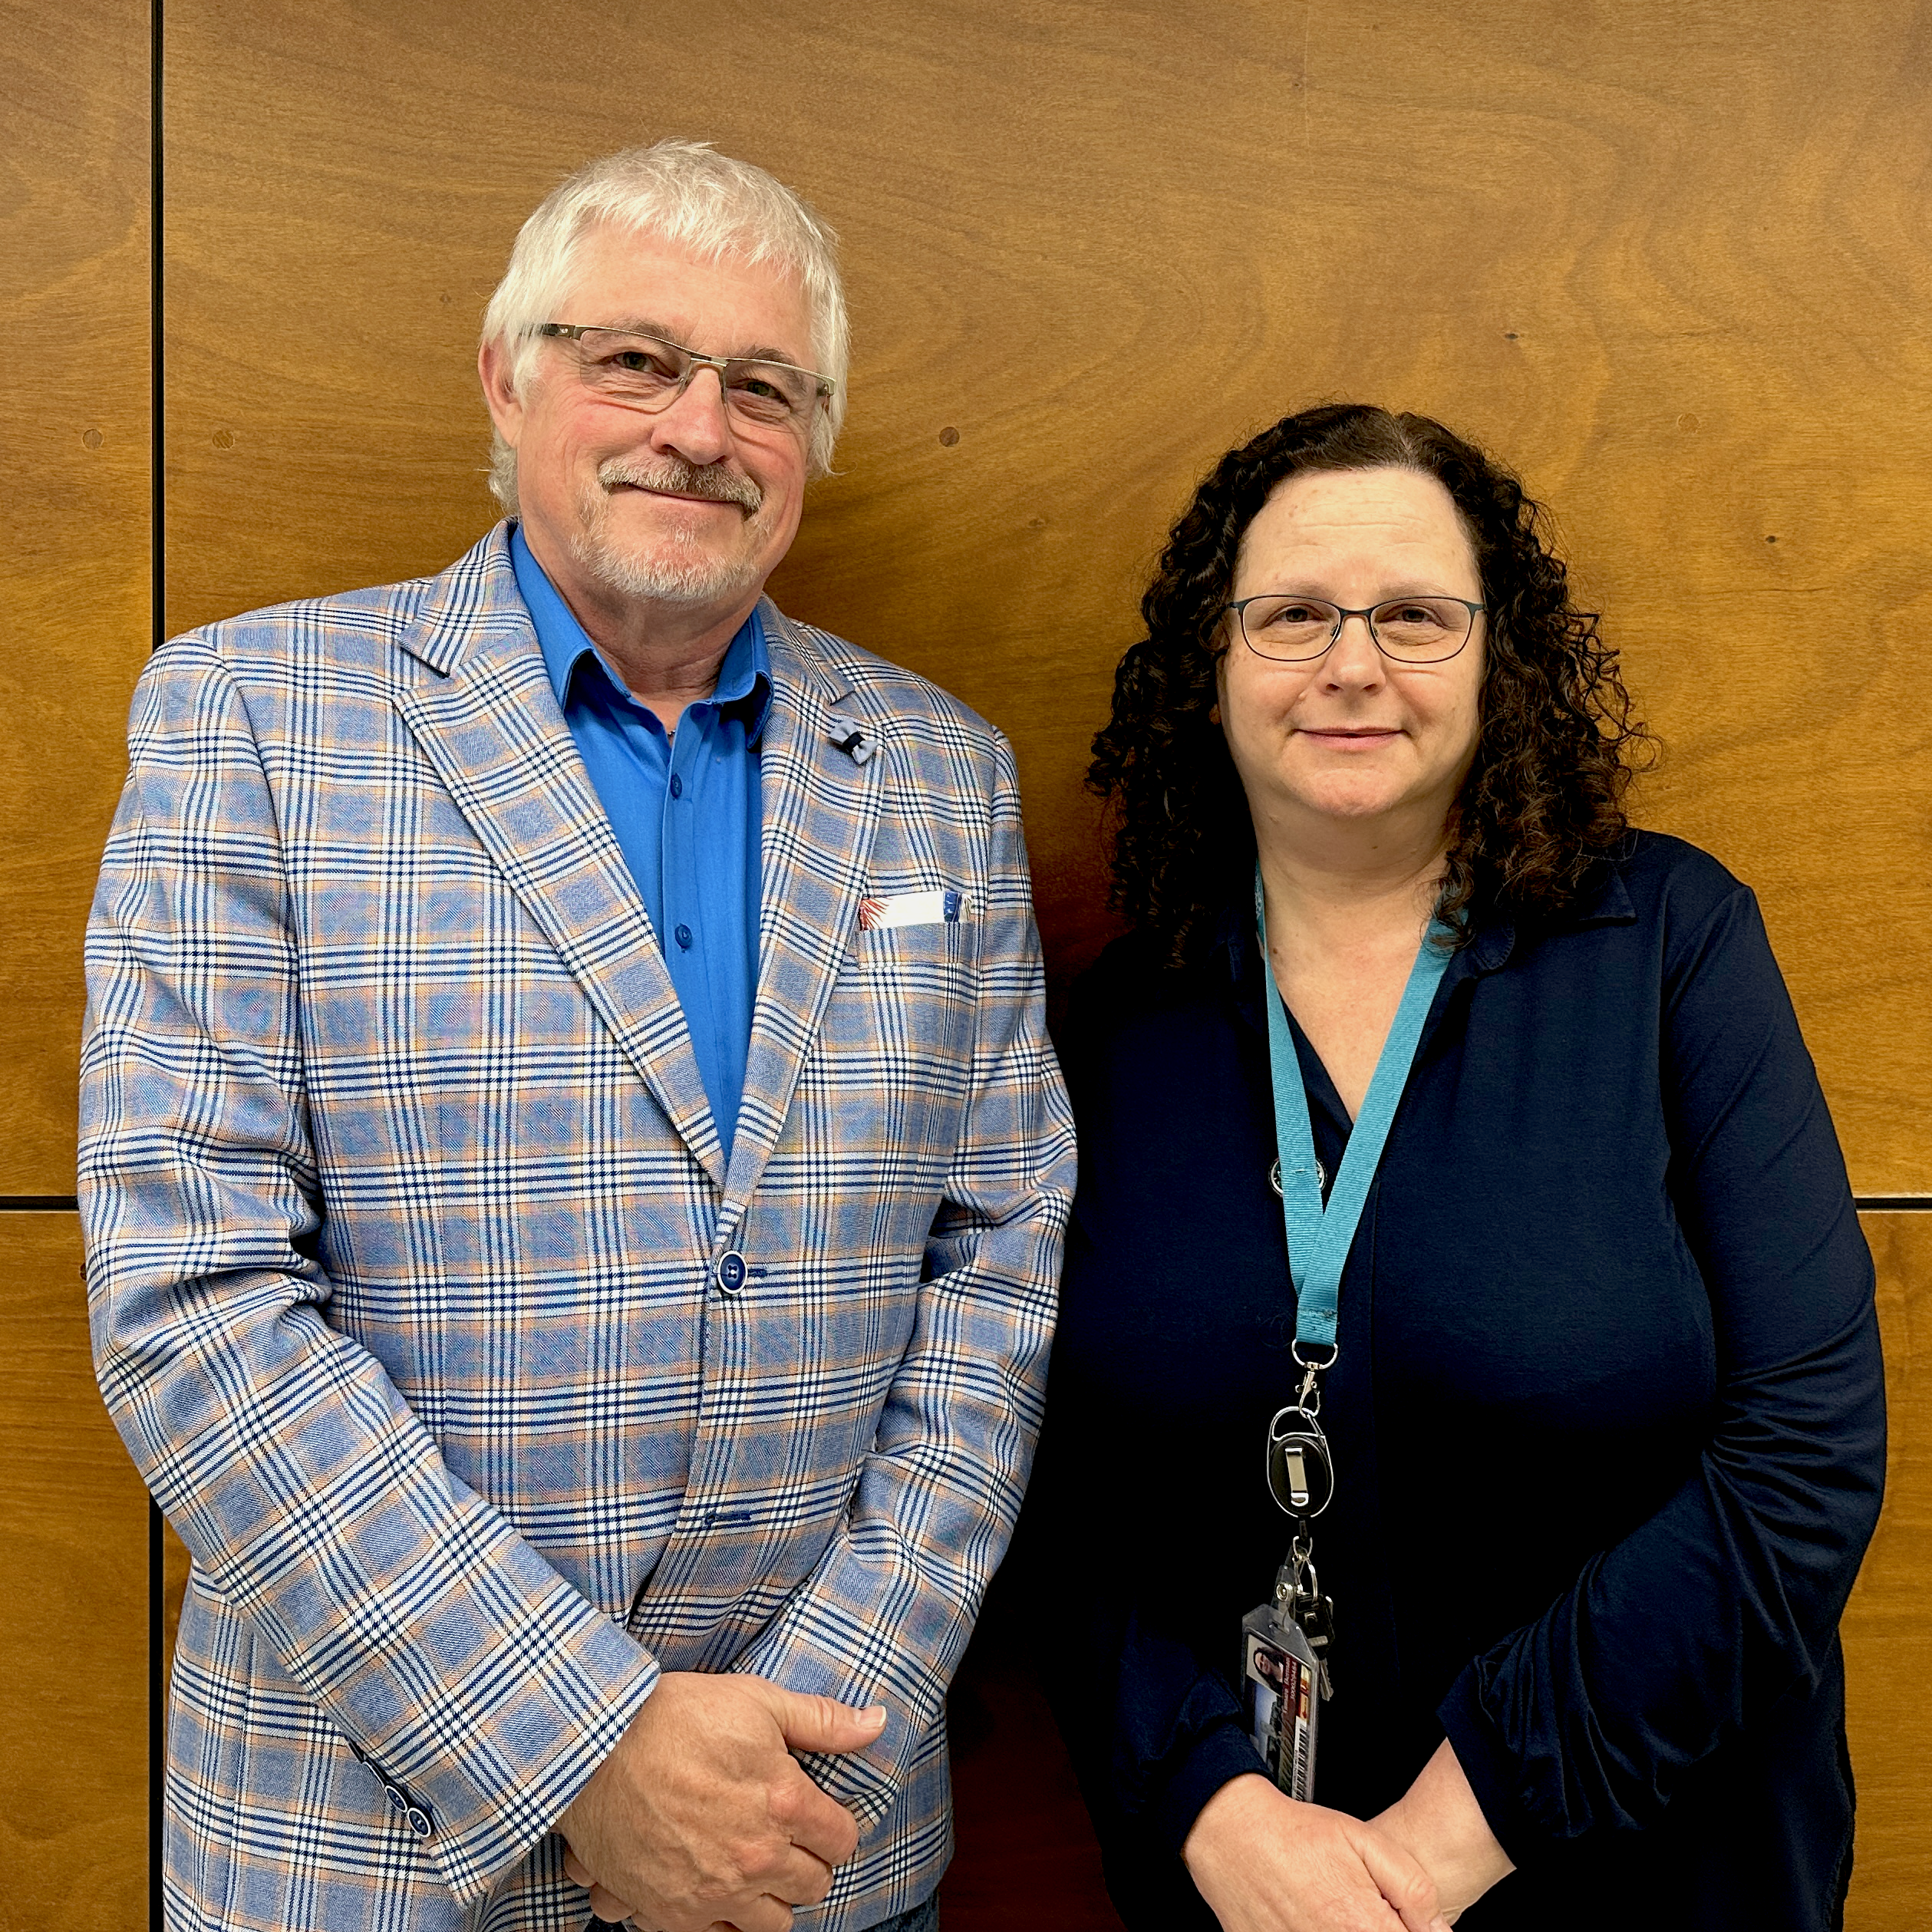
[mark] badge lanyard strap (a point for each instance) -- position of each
(1319, 1239)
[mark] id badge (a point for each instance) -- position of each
(1284, 1699)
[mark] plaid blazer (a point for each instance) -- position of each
(407, 1225)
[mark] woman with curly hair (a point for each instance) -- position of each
(1465, 1312)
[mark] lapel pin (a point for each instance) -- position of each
(856, 746)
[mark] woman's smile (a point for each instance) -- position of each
(1350, 737)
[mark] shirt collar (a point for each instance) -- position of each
(744, 677)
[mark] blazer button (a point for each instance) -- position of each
(731, 1272)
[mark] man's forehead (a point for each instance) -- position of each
(644, 281)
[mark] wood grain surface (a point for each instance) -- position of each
(74, 476)
(74, 1642)
(1670, 258)
(1888, 1631)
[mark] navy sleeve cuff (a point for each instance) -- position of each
(1493, 1772)
(1222, 1755)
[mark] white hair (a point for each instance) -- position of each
(688, 193)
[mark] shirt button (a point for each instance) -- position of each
(677, 786)
(684, 937)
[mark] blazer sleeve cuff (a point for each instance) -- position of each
(478, 1809)
(1494, 1772)
(1219, 1756)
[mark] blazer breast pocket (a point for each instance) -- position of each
(917, 979)
(894, 1052)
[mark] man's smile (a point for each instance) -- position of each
(682, 482)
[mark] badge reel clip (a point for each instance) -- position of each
(1285, 1642)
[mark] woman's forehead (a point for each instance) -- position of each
(1349, 515)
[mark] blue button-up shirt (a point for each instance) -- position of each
(685, 809)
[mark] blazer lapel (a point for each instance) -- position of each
(819, 809)
(489, 724)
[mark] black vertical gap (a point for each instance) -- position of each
(157, 1637)
(157, 598)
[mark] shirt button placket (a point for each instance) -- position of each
(681, 830)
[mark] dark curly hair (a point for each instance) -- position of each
(1557, 746)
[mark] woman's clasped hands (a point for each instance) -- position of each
(1265, 1863)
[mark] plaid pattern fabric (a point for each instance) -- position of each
(404, 1211)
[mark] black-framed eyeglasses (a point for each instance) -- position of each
(1289, 630)
(650, 373)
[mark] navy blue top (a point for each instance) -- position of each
(686, 811)
(1608, 1414)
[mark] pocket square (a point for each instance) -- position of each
(910, 909)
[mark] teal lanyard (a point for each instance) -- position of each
(1319, 1238)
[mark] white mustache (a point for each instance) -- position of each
(713, 481)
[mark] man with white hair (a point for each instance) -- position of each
(573, 1170)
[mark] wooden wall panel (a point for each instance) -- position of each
(1887, 1629)
(73, 1641)
(74, 474)
(1668, 257)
